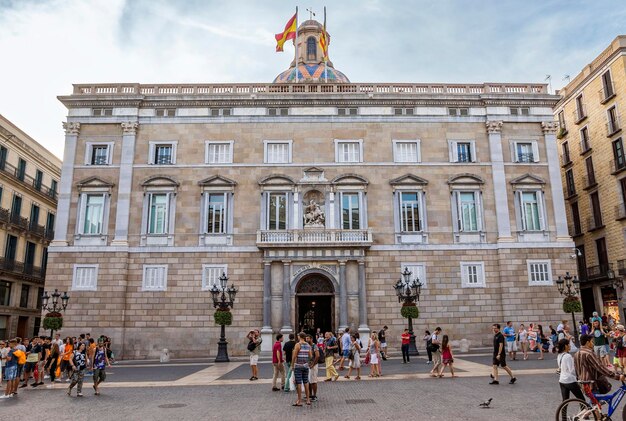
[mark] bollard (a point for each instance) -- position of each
(464, 345)
(165, 355)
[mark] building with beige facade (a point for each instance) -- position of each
(591, 113)
(312, 196)
(29, 175)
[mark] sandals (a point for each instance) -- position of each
(296, 404)
(357, 378)
(346, 377)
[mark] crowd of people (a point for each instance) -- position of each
(25, 362)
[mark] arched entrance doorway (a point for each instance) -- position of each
(315, 304)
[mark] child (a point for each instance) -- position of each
(446, 356)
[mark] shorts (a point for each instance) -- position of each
(600, 350)
(313, 374)
(29, 367)
(511, 346)
(499, 361)
(99, 375)
(254, 359)
(20, 368)
(446, 361)
(374, 358)
(345, 353)
(383, 344)
(10, 373)
(301, 375)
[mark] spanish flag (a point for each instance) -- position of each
(288, 33)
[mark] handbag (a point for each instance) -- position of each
(367, 359)
(602, 385)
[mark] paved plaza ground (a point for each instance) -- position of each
(201, 389)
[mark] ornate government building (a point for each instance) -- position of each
(312, 196)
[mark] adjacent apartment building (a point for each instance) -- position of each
(29, 176)
(591, 115)
(312, 194)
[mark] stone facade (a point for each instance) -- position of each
(460, 183)
(28, 177)
(595, 168)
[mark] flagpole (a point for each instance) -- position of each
(296, 42)
(325, 56)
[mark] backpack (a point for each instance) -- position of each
(251, 346)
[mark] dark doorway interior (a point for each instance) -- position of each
(22, 322)
(589, 304)
(315, 311)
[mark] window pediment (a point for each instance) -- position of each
(408, 180)
(350, 179)
(465, 179)
(528, 179)
(94, 184)
(217, 181)
(277, 180)
(163, 183)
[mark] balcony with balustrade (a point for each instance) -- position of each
(598, 271)
(314, 237)
(25, 271)
(19, 223)
(32, 184)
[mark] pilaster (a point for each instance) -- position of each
(550, 129)
(286, 329)
(494, 130)
(122, 217)
(343, 297)
(363, 327)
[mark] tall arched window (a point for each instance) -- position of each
(311, 48)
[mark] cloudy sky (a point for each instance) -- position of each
(46, 45)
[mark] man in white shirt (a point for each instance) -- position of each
(345, 347)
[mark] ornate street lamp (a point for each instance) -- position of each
(569, 287)
(223, 300)
(54, 308)
(408, 292)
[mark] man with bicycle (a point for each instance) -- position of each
(590, 368)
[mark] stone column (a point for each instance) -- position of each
(556, 186)
(65, 186)
(266, 330)
(286, 329)
(363, 327)
(494, 129)
(343, 297)
(122, 217)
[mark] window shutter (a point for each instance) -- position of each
(535, 151)
(479, 210)
(397, 214)
(540, 210)
(464, 275)
(480, 276)
(513, 148)
(459, 212)
(454, 153)
(421, 200)
(473, 149)
(151, 154)
(520, 206)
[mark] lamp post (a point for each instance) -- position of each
(408, 292)
(55, 306)
(223, 300)
(570, 288)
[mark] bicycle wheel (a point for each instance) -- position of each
(575, 410)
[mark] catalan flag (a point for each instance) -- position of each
(288, 33)
(324, 41)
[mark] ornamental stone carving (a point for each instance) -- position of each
(71, 128)
(130, 127)
(550, 127)
(494, 126)
(313, 215)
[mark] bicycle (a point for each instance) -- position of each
(577, 410)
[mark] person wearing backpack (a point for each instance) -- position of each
(254, 347)
(567, 372)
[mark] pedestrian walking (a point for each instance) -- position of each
(427, 341)
(509, 335)
(288, 350)
(43, 356)
(10, 371)
(330, 347)
(52, 363)
(254, 348)
(406, 339)
(499, 355)
(278, 364)
(68, 351)
(541, 339)
(620, 346)
(300, 361)
(78, 362)
(313, 367)
(568, 381)
(100, 362)
(435, 349)
(599, 342)
(373, 349)
(382, 338)
(522, 336)
(446, 357)
(345, 348)
(355, 358)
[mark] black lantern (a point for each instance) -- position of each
(53, 306)
(569, 286)
(223, 303)
(408, 292)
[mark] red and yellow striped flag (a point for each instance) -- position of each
(324, 43)
(288, 33)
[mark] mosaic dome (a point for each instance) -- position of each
(311, 73)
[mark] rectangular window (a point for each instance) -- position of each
(53, 189)
(158, 213)
(3, 157)
(38, 179)
(50, 225)
(532, 213)
(473, 274)
(99, 154)
(348, 151)
(580, 108)
(24, 296)
(618, 154)
(277, 211)
(613, 122)
(29, 256)
(404, 111)
(347, 111)
(11, 248)
(585, 145)
(102, 112)
(576, 218)
(219, 153)
(223, 112)
(607, 87)
(350, 215)
(163, 154)
(277, 152)
(20, 172)
(406, 151)
(418, 271)
(539, 272)
(603, 257)
(591, 175)
(216, 213)
(34, 215)
(410, 220)
(596, 209)
(468, 211)
(278, 111)
(5, 294)
(524, 152)
(211, 275)
(94, 213)
(165, 112)
(565, 150)
(569, 181)
(16, 207)
(519, 110)
(464, 152)
(457, 112)
(85, 278)
(154, 278)
(561, 117)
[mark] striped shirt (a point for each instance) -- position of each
(303, 355)
(589, 367)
